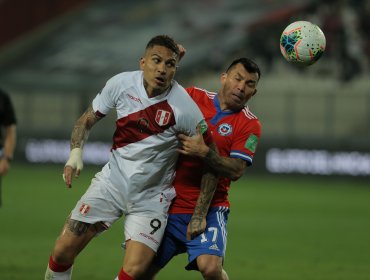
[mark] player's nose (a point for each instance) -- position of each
(161, 67)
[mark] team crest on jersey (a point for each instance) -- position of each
(225, 129)
(84, 209)
(162, 117)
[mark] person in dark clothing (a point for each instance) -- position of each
(7, 134)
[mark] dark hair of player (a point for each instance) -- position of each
(248, 64)
(165, 41)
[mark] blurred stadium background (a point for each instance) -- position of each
(55, 55)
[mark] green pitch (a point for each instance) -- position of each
(280, 228)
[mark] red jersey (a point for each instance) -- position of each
(235, 134)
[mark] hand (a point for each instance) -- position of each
(182, 51)
(73, 166)
(196, 226)
(193, 145)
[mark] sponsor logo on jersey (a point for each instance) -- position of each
(149, 237)
(162, 117)
(84, 209)
(251, 143)
(137, 99)
(214, 247)
(225, 129)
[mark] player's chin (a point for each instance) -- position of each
(161, 83)
(161, 87)
(237, 100)
(236, 106)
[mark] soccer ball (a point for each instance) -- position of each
(302, 42)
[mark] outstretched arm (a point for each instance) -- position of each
(232, 168)
(79, 136)
(208, 186)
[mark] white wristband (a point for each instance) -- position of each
(75, 159)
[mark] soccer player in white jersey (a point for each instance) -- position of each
(152, 109)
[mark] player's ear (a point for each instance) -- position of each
(223, 78)
(142, 63)
(255, 91)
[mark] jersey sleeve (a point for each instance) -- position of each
(190, 91)
(245, 143)
(207, 135)
(195, 120)
(194, 94)
(107, 98)
(190, 117)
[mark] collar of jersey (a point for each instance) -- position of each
(219, 113)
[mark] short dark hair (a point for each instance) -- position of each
(165, 41)
(248, 64)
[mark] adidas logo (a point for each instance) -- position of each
(214, 247)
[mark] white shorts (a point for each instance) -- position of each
(145, 221)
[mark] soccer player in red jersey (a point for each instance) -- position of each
(236, 132)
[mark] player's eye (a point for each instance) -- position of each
(156, 60)
(171, 64)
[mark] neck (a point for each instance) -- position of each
(227, 108)
(152, 92)
(223, 106)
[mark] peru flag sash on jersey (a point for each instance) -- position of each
(139, 125)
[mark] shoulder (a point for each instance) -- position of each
(247, 114)
(196, 92)
(182, 103)
(122, 81)
(179, 94)
(248, 120)
(126, 77)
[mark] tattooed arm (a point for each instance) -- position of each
(82, 128)
(208, 186)
(232, 168)
(79, 136)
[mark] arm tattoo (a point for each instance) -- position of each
(196, 226)
(232, 168)
(82, 128)
(207, 190)
(76, 227)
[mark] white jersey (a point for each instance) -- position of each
(143, 158)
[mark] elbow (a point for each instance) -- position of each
(236, 175)
(234, 178)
